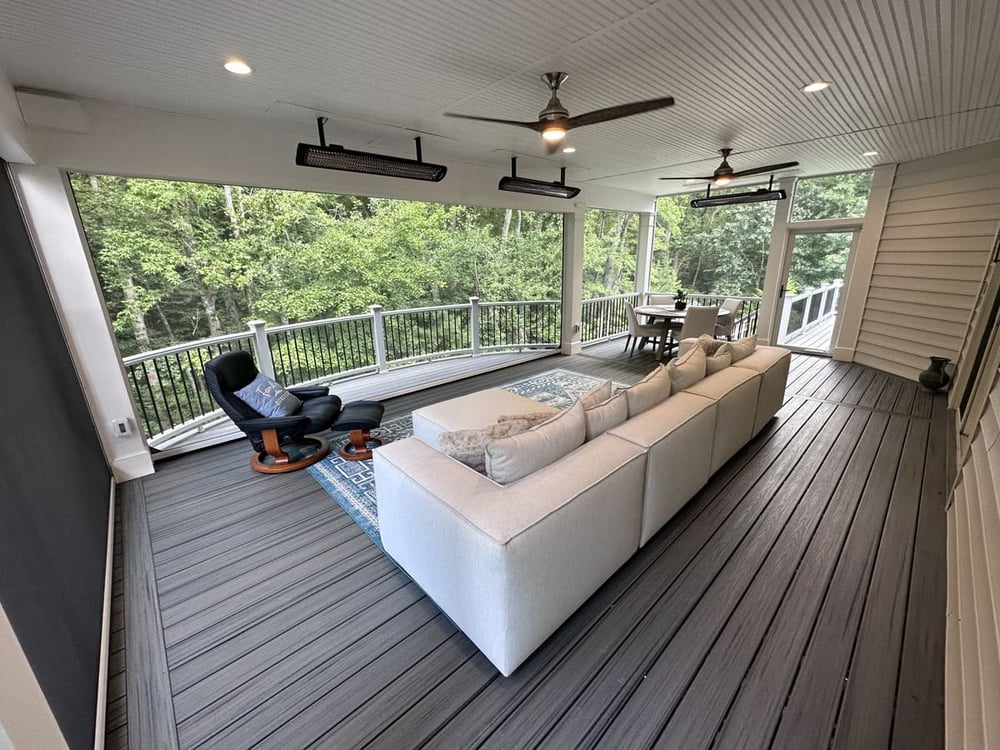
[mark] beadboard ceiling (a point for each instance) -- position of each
(910, 78)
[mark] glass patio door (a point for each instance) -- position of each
(810, 292)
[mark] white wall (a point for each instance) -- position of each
(72, 281)
(936, 240)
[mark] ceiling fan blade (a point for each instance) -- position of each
(531, 125)
(706, 179)
(764, 170)
(621, 110)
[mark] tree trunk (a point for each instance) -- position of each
(231, 211)
(506, 224)
(517, 229)
(165, 322)
(139, 330)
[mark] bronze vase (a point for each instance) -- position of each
(935, 377)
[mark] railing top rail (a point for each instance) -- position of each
(811, 291)
(133, 359)
(317, 323)
(522, 302)
(700, 295)
(434, 308)
(627, 295)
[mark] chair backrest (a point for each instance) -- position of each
(633, 321)
(661, 299)
(731, 305)
(699, 320)
(229, 372)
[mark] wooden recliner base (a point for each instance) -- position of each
(275, 460)
(359, 445)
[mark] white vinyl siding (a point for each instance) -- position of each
(972, 663)
(936, 240)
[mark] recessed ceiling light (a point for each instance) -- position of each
(238, 67)
(569, 150)
(815, 86)
(870, 153)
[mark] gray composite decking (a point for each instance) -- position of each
(797, 601)
(817, 337)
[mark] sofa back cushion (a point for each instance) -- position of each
(608, 414)
(596, 395)
(720, 360)
(743, 348)
(648, 392)
(687, 369)
(511, 458)
(469, 446)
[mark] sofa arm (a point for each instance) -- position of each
(508, 564)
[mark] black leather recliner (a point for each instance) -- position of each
(280, 443)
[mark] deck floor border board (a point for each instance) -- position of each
(650, 618)
(867, 703)
(795, 504)
(921, 673)
(707, 699)
(202, 688)
(150, 706)
(812, 705)
(863, 408)
(606, 610)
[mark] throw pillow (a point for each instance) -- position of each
(597, 395)
(720, 360)
(606, 415)
(511, 458)
(647, 393)
(267, 397)
(687, 370)
(709, 344)
(469, 446)
(743, 347)
(533, 418)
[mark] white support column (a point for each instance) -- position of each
(265, 362)
(861, 263)
(51, 217)
(572, 279)
(378, 338)
(474, 325)
(644, 252)
(768, 317)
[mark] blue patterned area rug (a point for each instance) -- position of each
(352, 483)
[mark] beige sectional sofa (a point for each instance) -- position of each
(510, 563)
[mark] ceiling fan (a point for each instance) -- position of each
(554, 121)
(724, 173)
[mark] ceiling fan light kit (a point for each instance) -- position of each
(724, 174)
(515, 184)
(332, 156)
(554, 121)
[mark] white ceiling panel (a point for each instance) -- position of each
(910, 77)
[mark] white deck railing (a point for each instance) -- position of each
(810, 307)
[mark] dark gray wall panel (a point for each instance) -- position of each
(53, 491)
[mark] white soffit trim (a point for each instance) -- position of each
(46, 109)
(13, 137)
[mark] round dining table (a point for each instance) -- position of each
(669, 314)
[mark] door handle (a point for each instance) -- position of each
(781, 292)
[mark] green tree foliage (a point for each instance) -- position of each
(610, 241)
(181, 261)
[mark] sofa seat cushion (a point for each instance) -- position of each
(677, 434)
(735, 390)
(474, 411)
(516, 456)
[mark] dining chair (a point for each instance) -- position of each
(640, 331)
(660, 299)
(727, 317)
(699, 321)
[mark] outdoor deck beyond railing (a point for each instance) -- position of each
(169, 389)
